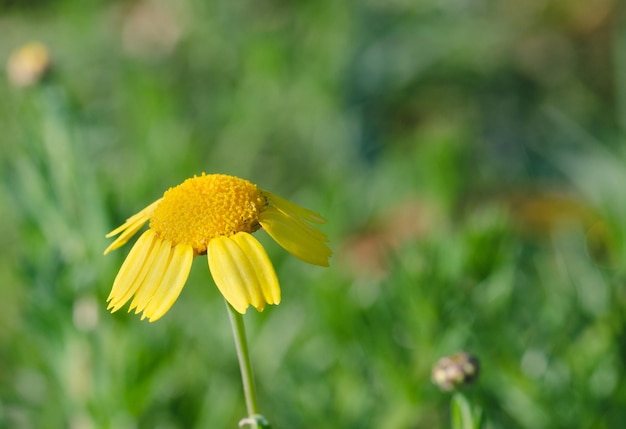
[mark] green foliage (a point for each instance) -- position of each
(468, 156)
(464, 416)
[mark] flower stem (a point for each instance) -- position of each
(254, 419)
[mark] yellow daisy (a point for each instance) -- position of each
(215, 215)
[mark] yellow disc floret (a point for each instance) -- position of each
(206, 207)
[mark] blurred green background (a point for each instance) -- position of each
(468, 154)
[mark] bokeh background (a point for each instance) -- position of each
(468, 154)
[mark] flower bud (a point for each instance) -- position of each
(453, 372)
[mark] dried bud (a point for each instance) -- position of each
(28, 64)
(453, 372)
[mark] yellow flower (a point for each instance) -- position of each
(28, 64)
(214, 215)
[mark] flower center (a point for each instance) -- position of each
(205, 207)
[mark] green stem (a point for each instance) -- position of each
(239, 332)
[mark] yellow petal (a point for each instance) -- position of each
(171, 284)
(287, 206)
(131, 226)
(297, 221)
(263, 268)
(151, 283)
(233, 274)
(130, 271)
(299, 216)
(128, 233)
(297, 240)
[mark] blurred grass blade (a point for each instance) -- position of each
(463, 416)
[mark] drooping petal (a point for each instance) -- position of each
(145, 213)
(145, 291)
(127, 278)
(234, 275)
(297, 240)
(298, 215)
(139, 282)
(287, 206)
(171, 284)
(262, 265)
(128, 233)
(130, 227)
(303, 225)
